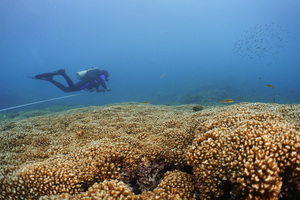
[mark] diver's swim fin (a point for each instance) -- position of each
(45, 78)
(48, 76)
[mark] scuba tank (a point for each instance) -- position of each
(80, 75)
(88, 73)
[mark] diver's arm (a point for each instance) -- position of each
(105, 87)
(102, 83)
(102, 89)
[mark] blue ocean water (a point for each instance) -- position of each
(208, 50)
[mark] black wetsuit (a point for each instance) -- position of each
(85, 84)
(92, 81)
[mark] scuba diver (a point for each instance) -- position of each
(90, 80)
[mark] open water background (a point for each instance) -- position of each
(208, 49)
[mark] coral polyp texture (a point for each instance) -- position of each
(247, 152)
(243, 151)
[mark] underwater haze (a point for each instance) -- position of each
(166, 52)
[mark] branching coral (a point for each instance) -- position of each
(242, 151)
(71, 174)
(111, 189)
(246, 152)
(176, 185)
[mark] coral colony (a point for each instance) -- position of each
(241, 151)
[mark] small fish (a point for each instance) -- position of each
(146, 102)
(272, 86)
(162, 75)
(227, 101)
(259, 78)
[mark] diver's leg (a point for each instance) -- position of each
(61, 86)
(69, 81)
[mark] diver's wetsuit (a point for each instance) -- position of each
(85, 84)
(89, 84)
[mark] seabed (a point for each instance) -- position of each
(134, 151)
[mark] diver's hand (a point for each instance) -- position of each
(108, 89)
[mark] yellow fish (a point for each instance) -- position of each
(146, 102)
(272, 86)
(163, 75)
(227, 101)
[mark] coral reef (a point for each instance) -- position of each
(175, 185)
(246, 151)
(243, 151)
